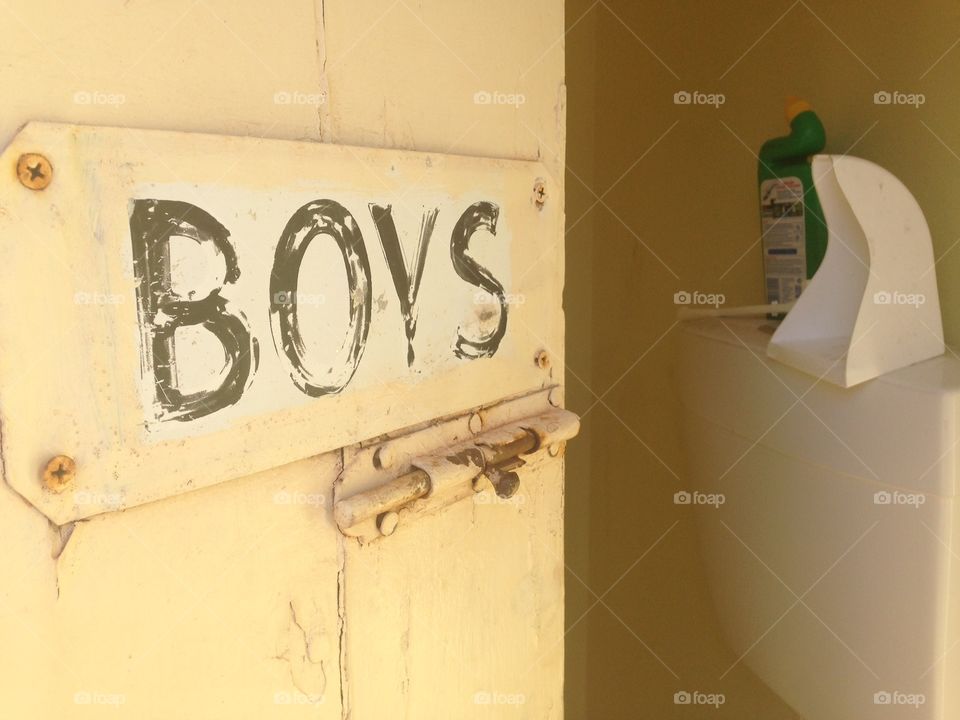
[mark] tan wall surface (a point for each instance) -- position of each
(679, 212)
(578, 305)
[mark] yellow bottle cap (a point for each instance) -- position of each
(795, 106)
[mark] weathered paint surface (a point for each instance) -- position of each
(231, 602)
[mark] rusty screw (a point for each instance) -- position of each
(35, 171)
(542, 359)
(59, 472)
(540, 193)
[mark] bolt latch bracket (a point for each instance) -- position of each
(489, 460)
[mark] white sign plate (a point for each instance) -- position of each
(177, 310)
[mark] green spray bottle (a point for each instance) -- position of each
(793, 229)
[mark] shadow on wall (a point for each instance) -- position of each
(668, 104)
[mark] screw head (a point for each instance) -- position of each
(388, 522)
(542, 359)
(34, 170)
(540, 193)
(59, 472)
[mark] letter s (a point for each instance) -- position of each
(480, 215)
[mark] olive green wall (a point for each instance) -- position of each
(581, 80)
(678, 211)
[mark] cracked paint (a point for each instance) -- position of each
(304, 656)
(342, 627)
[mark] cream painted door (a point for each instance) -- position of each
(221, 587)
(191, 434)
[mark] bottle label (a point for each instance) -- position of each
(784, 238)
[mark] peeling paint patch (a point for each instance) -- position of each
(302, 652)
(61, 536)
